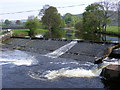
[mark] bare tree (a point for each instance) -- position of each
(41, 13)
(109, 7)
(119, 16)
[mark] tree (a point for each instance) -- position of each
(42, 11)
(93, 18)
(62, 23)
(70, 19)
(32, 25)
(7, 22)
(18, 22)
(51, 19)
(79, 26)
(109, 8)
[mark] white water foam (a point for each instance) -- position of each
(75, 72)
(17, 58)
(26, 62)
(61, 50)
(64, 72)
(79, 72)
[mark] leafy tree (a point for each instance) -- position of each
(70, 19)
(7, 22)
(62, 23)
(93, 18)
(79, 26)
(51, 19)
(32, 25)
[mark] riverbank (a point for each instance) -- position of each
(82, 51)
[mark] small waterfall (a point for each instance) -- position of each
(74, 72)
(61, 50)
(17, 57)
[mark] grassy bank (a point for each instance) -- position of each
(113, 29)
(24, 32)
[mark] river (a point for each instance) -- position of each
(21, 69)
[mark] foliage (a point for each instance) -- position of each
(25, 32)
(32, 25)
(109, 7)
(51, 19)
(7, 22)
(70, 19)
(93, 18)
(79, 25)
(62, 23)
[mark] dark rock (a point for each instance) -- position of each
(111, 73)
(115, 53)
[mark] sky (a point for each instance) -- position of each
(10, 6)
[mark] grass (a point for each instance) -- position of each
(38, 31)
(113, 29)
(20, 32)
(24, 32)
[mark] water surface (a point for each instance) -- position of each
(30, 70)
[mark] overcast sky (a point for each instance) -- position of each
(10, 6)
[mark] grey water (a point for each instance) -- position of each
(22, 69)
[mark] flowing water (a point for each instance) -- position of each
(61, 50)
(30, 70)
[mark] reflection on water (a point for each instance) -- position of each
(96, 37)
(71, 34)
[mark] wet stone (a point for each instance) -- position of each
(115, 53)
(111, 73)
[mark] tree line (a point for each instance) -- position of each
(95, 19)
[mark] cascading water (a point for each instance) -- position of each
(41, 69)
(17, 58)
(61, 50)
(75, 72)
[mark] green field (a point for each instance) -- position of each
(113, 29)
(24, 32)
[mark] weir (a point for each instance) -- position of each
(38, 66)
(61, 50)
(78, 72)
